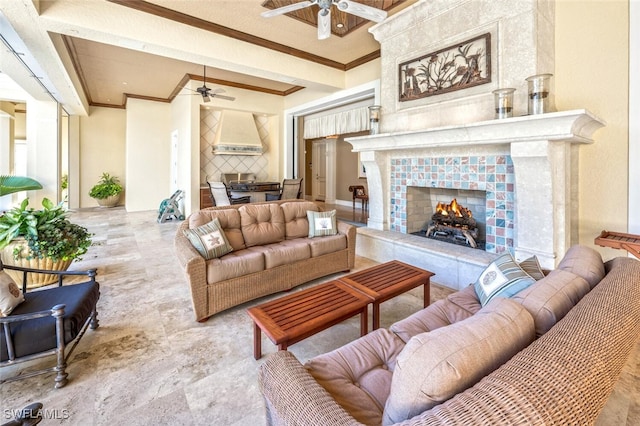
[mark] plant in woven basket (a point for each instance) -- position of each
(44, 233)
(107, 186)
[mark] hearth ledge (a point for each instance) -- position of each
(455, 266)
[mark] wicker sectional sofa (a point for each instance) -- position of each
(549, 354)
(271, 252)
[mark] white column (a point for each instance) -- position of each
(6, 144)
(43, 147)
(73, 189)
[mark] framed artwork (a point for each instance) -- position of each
(452, 68)
(362, 171)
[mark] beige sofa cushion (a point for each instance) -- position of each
(235, 264)
(456, 307)
(328, 244)
(358, 374)
(295, 218)
(549, 299)
(261, 224)
(585, 262)
(437, 365)
(229, 222)
(285, 252)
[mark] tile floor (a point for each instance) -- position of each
(150, 363)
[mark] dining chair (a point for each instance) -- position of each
(221, 197)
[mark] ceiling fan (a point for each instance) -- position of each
(324, 14)
(208, 93)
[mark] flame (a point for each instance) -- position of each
(453, 208)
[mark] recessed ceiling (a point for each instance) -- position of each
(341, 23)
(113, 63)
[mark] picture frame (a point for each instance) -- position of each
(455, 67)
(362, 171)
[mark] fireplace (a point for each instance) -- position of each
(484, 182)
(453, 223)
(526, 165)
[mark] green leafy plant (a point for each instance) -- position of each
(11, 184)
(106, 187)
(46, 232)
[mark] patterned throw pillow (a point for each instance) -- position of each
(322, 223)
(209, 240)
(502, 278)
(532, 267)
(10, 294)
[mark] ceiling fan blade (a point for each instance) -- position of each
(362, 10)
(219, 90)
(228, 98)
(287, 9)
(324, 24)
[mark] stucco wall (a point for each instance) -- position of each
(102, 149)
(592, 72)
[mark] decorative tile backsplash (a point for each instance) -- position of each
(213, 165)
(493, 174)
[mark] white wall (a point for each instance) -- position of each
(102, 149)
(147, 153)
(599, 31)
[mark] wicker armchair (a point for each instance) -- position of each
(48, 321)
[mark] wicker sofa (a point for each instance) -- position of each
(583, 320)
(271, 252)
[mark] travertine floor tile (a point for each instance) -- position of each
(151, 363)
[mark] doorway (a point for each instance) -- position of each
(319, 170)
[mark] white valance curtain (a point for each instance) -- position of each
(339, 123)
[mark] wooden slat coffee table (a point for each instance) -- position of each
(388, 280)
(295, 317)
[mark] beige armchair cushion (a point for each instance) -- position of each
(295, 218)
(262, 224)
(549, 299)
(437, 365)
(358, 374)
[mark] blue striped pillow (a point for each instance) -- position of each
(502, 278)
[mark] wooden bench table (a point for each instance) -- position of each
(388, 280)
(295, 317)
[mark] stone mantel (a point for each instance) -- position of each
(543, 149)
(568, 126)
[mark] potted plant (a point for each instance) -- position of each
(107, 190)
(41, 239)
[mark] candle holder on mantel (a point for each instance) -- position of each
(539, 91)
(503, 102)
(374, 119)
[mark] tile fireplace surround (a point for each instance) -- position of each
(536, 210)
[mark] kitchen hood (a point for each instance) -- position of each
(237, 134)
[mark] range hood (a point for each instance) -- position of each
(237, 134)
